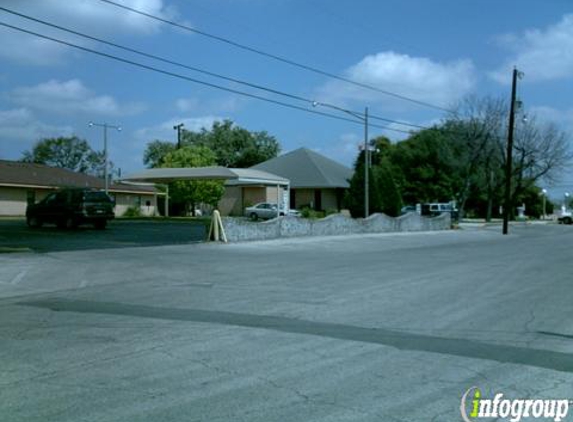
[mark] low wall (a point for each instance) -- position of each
(241, 229)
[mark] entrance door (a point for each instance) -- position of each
(317, 200)
(292, 199)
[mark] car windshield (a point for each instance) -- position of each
(96, 197)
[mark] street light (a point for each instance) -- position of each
(544, 194)
(363, 118)
(105, 126)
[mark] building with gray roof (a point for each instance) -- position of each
(316, 181)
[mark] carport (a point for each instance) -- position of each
(235, 176)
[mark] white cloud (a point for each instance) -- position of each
(19, 129)
(415, 77)
(186, 105)
(215, 105)
(70, 97)
(540, 54)
(165, 131)
(93, 17)
(563, 118)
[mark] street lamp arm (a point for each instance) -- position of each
(350, 112)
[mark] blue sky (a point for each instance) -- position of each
(433, 51)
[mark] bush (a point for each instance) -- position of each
(132, 212)
(312, 214)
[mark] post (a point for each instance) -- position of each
(166, 200)
(366, 161)
(507, 207)
(278, 201)
(178, 128)
(106, 181)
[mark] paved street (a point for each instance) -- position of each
(392, 327)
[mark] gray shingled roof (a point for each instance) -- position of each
(308, 169)
(15, 173)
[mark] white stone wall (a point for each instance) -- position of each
(240, 229)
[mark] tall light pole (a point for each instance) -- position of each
(363, 118)
(544, 193)
(105, 126)
(508, 164)
(178, 129)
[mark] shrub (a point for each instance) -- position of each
(132, 212)
(312, 214)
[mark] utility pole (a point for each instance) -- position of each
(178, 129)
(366, 166)
(507, 206)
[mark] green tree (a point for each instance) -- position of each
(71, 153)
(384, 195)
(156, 152)
(191, 193)
(387, 190)
(234, 146)
(427, 166)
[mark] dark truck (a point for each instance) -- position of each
(68, 208)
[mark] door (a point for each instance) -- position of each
(317, 200)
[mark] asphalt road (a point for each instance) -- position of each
(358, 328)
(118, 234)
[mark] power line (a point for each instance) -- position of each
(277, 57)
(189, 79)
(193, 68)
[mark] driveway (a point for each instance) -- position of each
(14, 234)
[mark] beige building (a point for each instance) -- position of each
(21, 183)
(316, 181)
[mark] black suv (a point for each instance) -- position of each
(68, 208)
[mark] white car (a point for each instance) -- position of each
(266, 210)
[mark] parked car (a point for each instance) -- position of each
(266, 210)
(68, 208)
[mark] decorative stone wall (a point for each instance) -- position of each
(241, 229)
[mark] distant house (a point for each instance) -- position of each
(21, 183)
(316, 181)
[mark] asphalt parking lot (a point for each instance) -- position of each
(15, 235)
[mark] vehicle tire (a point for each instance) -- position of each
(567, 220)
(70, 223)
(100, 225)
(254, 216)
(33, 222)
